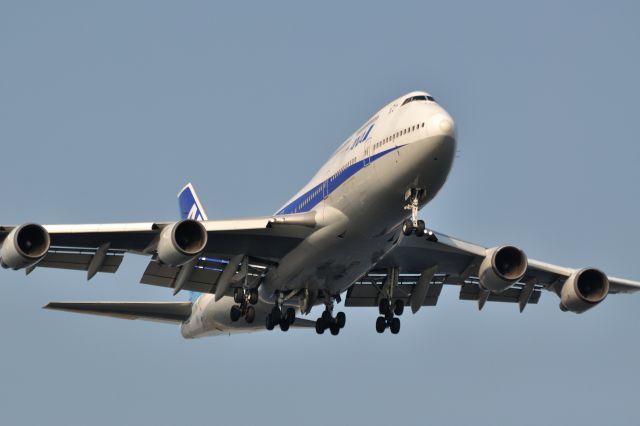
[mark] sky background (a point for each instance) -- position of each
(106, 110)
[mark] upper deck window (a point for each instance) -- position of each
(418, 98)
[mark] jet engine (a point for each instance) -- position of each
(181, 241)
(24, 246)
(502, 267)
(583, 290)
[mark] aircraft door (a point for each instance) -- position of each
(367, 155)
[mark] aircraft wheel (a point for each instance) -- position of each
(407, 227)
(253, 297)
(269, 322)
(235, 313)
(251, 314)
(341, 319)
(334, 329)
(238, 295)
(326, 317)
(276, 314)
(399, 307)
(319, 326)
(290, 316)
(381, 324)
(395, 325)
(284, 325)
(420, 228)
(383, 306)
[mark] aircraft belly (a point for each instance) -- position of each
(340, 252)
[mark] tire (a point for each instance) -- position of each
(341, 319)
(238, 295)
(284, 325)
(398, 309)
(420, 228)
(276, 314)
(383, 306)
(326, 317)
(395, 326)
(290, 316)
(407, 227)
(251, 314)
(334, 329)
(381, 324)
(235, 313)
(319, 326)
(269, 323)
(253, 297)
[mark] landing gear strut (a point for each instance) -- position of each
(245, 299)
(328, 321)
(279, 317)
(413, 225)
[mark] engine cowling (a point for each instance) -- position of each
(24, 246)
(583, 290)
(181, 241)
(502, 267)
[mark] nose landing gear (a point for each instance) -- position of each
(413, 225)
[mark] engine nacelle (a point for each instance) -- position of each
(583, 290)
(502, 267)
(25, 246)
(181, 241)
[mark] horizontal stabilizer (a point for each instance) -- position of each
(174, 312)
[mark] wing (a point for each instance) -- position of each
(259, 243)
(452, 261)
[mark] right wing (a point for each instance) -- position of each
(261, 242)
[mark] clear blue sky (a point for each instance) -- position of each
(106, 110)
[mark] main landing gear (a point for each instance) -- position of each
(390, 309)
(328, 321)
(387, 318)
(413, 225)
(245, 300)
(278, 316)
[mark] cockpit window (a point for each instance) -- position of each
(418, 98)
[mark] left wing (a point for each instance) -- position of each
(453, 261)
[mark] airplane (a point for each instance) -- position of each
(351, 233)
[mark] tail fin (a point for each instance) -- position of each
(189, 203)
(191, 208)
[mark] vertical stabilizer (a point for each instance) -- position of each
(191, 208)
(189, 203)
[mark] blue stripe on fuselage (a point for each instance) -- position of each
(312, 197)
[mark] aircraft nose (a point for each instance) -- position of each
(441, 124)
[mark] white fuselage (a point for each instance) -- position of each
(358, 197)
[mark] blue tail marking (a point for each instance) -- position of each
(191, 208)
(189, 203)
